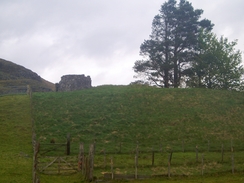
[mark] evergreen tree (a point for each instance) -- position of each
(172, 43)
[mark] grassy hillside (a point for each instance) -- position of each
(15, 137)
(127, 114)
(14, 79)
(151, 116)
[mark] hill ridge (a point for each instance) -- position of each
(14, 78)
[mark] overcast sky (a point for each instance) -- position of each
(100, 38)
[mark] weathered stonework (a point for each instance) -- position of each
(73, 82)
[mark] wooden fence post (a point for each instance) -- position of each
(136, 164)
(91, 162)
(137, 147)
(196, 154)
(202, 163)
(94, 146)
(120, 147)
(59, 161)
(37, 180)
(136, 160)
(208, 145)
(169, 163)
(68, 145)
(232, 163)
(112, 168)
(222, 153)
(29, 91)
(87, 169)
(231, 146)
(83, 162)
(104, 159)
(152, 157)
(35, 162)
(81, 159)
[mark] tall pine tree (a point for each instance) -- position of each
(172, 43)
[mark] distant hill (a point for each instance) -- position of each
(14, 79)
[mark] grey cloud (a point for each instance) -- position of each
(95, 37)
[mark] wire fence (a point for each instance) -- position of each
(95, 164)
(157, 163)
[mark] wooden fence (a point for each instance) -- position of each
(57, 165)
(157, 163)
(138, 164)
(92, 163)
(46, 161)
(54, 158)
(35, 144)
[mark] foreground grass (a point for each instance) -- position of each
(75, 178)
(15, 137)
(215, 178)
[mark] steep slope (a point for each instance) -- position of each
(151, 116)
(14, 79)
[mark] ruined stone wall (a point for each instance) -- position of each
(73, 82)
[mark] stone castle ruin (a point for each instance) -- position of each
(73, 82)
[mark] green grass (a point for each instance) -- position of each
(216, 178)
(155, 118)
(152, 117)
(162, 119)
(74, 178)
(15, 137)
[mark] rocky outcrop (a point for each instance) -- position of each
(73, 82)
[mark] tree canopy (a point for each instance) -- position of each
(217, 64)
(180, 47)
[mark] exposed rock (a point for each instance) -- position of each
(73, 82)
